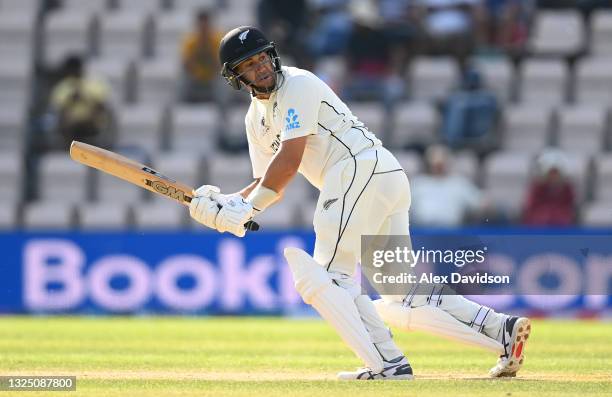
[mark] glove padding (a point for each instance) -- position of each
(204, 210)
(207, 191)
(235, 213)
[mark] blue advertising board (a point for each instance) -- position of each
(211, 273)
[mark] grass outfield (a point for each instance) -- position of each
(181, 356)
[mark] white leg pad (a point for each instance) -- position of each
(334, 304)
(435, 321)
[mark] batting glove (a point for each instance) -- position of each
(204, 210)
(234, 214)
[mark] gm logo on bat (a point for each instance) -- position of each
(157, 174)
(169, 191)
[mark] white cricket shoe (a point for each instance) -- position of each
(515, 333)
(396, 369)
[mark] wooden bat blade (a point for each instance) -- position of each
(138, 174)
(130, 171)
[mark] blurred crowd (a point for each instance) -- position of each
(375, 38)
(376, 41)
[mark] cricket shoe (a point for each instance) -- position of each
(396, 369)
(514, 336)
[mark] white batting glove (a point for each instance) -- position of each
(235, 213)
(207, 191)
(204, 210)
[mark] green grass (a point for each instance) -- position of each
(185, 356)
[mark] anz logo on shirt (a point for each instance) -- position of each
(292, 120)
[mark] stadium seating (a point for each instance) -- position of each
(299, 190)
(196, 128)
(134, 45)
(230, 172)
(594, 81)
(498, 75)
(304, 213)
(17, 36)
(544, 82)
(432, 78)
(87, 6)
(20, 6)
(68, 32)
(9, 216)
(597, 214)
(194, 5)
(410, 162)
(506, 178)
(118, 73)
(372, 115)
(233, 126)
(55, 215)
(140, 5)
(558, 33)
(465, 163)
(414, 123)
(161, 215)
(157, 80)
(103, 215)
(601, 43)
(581, 128)
(12, 127)
(603, 177)
(125, 35)
(526, 128)
(15, 80)
(62, 179)
(140, 126)
(11, 177)
(181, 166)
(281, 215)
(170, 27)
(579, 170)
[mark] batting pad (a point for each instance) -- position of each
(334, 304)
(435, 321)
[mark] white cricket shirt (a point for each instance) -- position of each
(304, 105)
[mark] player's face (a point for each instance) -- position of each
(259, 70)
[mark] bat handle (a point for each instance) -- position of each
(251, 226)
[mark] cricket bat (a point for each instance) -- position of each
(136, 173)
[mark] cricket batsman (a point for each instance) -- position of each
(296, 123)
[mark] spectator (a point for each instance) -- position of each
(507, 23)
(199, 58)
(285, 20)
(450, 26)
(399, 21)
(440, 198)
(470, 114)
(332, 28)
(81, 107)
(551, 200)
(368, 56)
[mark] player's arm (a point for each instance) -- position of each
(280, 171)
(285, 164)
(248, 189)
(282, 168)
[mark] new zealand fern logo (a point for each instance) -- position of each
(292, 120)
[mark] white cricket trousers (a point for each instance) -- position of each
(367, 194)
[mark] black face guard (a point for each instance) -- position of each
(256, 89)
(236, 81)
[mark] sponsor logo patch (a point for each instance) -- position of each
(292, 120)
